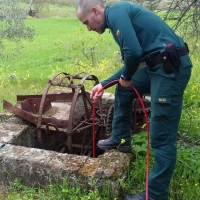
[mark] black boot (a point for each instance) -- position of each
(138, 196)
(109, 144)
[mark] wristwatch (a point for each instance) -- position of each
(123, 78)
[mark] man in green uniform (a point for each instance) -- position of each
(143, 37)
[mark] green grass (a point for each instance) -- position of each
(49, 47)
(62, 44)
(43, 52)
(59, 9)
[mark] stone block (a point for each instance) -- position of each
(38, 167)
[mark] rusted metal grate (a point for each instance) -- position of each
(68, 112)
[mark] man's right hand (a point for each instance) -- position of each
(96, 92)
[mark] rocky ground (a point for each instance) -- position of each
(3, 192)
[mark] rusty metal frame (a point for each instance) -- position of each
(61, 79)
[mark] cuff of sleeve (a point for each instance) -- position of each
(103, 83)
(125, 76)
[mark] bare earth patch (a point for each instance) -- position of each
(3, 192)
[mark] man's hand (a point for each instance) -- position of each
(125, 83)
(95, 93)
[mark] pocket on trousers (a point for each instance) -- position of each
(162, 106)
(160, 121)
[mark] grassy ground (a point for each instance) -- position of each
(64, 44)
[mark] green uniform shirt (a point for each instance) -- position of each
(139, 34)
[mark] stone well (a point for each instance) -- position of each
(22, 158)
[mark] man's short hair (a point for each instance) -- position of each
(85, 5)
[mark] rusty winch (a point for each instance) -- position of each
(69, 111)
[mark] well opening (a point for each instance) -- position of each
(63, 117)
(55, 141)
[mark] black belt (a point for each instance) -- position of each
(158, 58)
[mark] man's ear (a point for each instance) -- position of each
(94, 10)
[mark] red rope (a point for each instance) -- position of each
(93, 131)
(148, 140)
(147, 129)
(93, 117)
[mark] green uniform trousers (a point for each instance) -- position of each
(166, 104)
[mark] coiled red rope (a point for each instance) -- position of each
(147, 130)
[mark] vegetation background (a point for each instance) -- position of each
(62, 43)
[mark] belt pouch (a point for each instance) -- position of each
(173, 55)
(167, 65)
